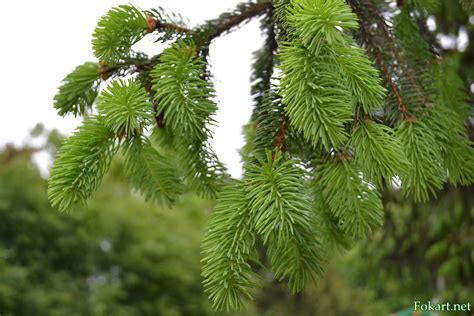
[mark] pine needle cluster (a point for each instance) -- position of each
(348, 99)
(78, 90)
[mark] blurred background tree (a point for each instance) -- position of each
(120, 257)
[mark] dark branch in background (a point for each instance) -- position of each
(280, 140)
(430, 39)
(159, 117)
(372, 46)
(407, 116)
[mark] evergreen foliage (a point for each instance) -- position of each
(350, 198)
(426, 173)
(185, 100)
(82, 161)
(228, 249)
(183, 96)
(319, 23)
(125, 107)
(123, 256)
(282, 216)
(78, 90)
(329, 130)
(201, 167)
(456, 148)
(332, 235)
(378, 153)
(117, 31)
(318, 109)
(150, 172)
(267, 120)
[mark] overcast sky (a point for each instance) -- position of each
(45, 40)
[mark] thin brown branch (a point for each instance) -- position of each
(234, 20)
(393, 87)
(280, 139)
(154, 24)
(398, 54)
(174, 27)
(370, 42)
(217, 27)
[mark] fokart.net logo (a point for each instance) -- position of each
(448, 307)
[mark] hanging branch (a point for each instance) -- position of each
(314, 166)
(155, 24)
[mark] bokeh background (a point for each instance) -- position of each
(121, 256)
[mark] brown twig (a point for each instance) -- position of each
(234, 20)
(103, 70)
(398, 54)
(407, 116)
(174, 27)
(280, 139)
(218, 27)
(369, 39)
(154, 24)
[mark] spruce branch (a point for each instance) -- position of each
(331, 230)
(389, 57)
(180, 92)
(201, 166)
(457, 151)
(228, 21)
(155, 24)
(317, 102)
(351, 198)
(426, 175)
(402, 106)
(325, 102)
(80, 164)
(264, 62)
(378, 153)
(125, 107)
(117, 31)
(202, 35)
(151, 173)
(362, 77)
(268, 125)
(78, 90)
(317, 23)
(283, 217)
(185, 101)
(447, 121)
(228, 249)
(280, 139)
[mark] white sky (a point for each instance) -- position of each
(45, 40)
